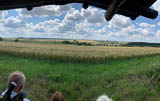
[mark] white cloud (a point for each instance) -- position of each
(119, 22)
(129, 30)
(102, 31)
(46, 26)
(80, 21)
(158, 33)
(82, 28)
(143, 31)
(3, 14)
(158, 23)
(146, 25)
(73, 15)
(156, 5)
(13, 22)
(45, 11)
(93, 15)
(90, 15)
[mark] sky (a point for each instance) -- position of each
(73, 22)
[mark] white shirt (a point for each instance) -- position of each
(13, 94)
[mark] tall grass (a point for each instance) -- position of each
(122, 80)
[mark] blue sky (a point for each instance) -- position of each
(73, 22)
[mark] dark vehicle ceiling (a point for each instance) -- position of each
(129, 8)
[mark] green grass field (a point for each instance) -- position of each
(135, 79)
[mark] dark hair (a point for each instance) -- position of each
(57, 96)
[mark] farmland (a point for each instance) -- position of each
(82, 73)
(74, 53)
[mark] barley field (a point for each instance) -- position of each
(74, 53)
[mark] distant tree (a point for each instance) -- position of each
(16, 40)
(1, 39)
(89, 44)
(66, 42)
(75, 42)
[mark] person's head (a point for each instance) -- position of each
(18, 78)
(57, 96)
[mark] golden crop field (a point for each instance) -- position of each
(73, 52)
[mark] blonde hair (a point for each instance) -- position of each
(16, 77)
